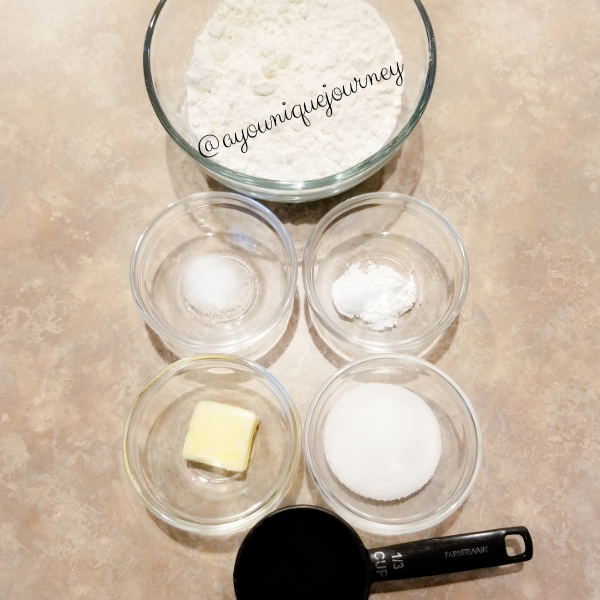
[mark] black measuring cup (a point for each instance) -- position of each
(308, 553)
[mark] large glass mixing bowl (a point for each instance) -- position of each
(168, 52)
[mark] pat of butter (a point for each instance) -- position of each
(220, 435)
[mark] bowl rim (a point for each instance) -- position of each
(266, 507)
(373, 346)
(383, 154)
(375, 526)
(238, 344)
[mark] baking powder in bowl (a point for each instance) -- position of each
(261, 58)
(377, 294)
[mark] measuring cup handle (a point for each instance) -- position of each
(451, 554)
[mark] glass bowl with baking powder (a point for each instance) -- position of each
(459, 433)
(193, 496)
(391, 233)
(215, 272)
(325, 57)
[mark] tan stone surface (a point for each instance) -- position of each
(508, 149)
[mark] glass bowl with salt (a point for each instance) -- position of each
(384, 272)
(392, 443)
(215, 272)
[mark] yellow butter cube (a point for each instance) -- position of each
(220, 435)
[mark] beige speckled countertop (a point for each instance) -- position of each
(508, 149)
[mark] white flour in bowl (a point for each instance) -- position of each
(279, 63)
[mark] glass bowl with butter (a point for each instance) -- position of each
(370, 457)
(212, 443)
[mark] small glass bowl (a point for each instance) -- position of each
(199, 498)
(404, 233)
(227, 225)
(168, 50)
(461, 446)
